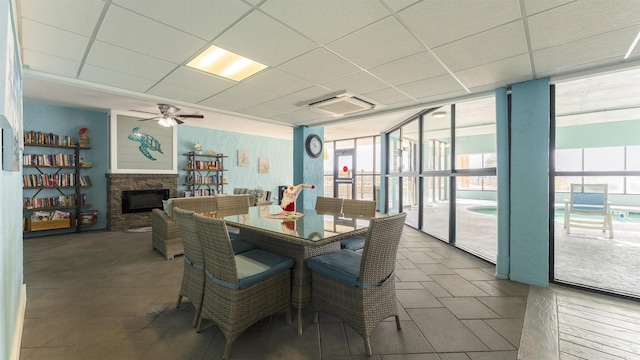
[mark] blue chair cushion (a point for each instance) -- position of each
(240, 246)
(353, 243)
(257, 265)
(343, 265)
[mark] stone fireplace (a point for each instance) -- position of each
(117, 183)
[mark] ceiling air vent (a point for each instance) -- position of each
(341, 104)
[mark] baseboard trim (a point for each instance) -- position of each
(17, 331)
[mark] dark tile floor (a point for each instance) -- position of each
(108, 295)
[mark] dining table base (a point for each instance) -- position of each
(299, 253)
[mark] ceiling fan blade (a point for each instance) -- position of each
(178, 121)
(194, 116)
(151, 118)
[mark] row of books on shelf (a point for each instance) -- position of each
(41, 138)
(49, 159)
(204, 165)
(53, 180)
(57, 201)
(200, 192)
(204, 180)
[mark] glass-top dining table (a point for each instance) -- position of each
(299, 236)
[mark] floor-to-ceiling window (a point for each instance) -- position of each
(597, 141)
(442, 172)
(476, 182)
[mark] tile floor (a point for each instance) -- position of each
(108, 295)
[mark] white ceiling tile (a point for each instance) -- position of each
(205, 19)
(339, 17)
(357, 83)
(500, 72)
(431, 86)
(584, 53)
(265, 40)
(388, 96)
(261, 111)
(245, 95)
(227, 104)
(175, 92)
(198, 81)
(376, 44)
(575, 21)
(318, 66)
(411, 68)
(129, 62)
(77, 16)
(536, 6)
(113, 78)
(49, 40)
(483, 48)
(277, 81)
(134, 32)
(397, 5)
(440, 22)
(50, 64)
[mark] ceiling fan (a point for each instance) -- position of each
(169, 116)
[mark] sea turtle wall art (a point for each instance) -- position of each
(147, 142)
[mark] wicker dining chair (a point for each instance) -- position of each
(357, 208)
(233, 205)
(193, 275)
(237, 204)
(240, 289)
(360, 288)
(328, 205)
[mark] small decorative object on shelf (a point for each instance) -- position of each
(197, 147)
(83, 137)
(290, 196)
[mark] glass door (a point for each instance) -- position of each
(344, 185)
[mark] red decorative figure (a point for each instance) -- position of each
(290, 196)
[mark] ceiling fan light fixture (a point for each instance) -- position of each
(227, 64)
(167, 122)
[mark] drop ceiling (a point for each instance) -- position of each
(405, 55)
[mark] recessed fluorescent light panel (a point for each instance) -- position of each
(224, 63)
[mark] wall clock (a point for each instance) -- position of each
(313, 145)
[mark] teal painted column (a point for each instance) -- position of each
(383, 173)
(502, 146)
(529, 207)
(306, 169)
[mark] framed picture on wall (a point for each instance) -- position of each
(11, 102)
(243, 158)
(142, 147)
(263, 166)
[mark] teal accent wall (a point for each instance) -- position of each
(384, 150)
(11, 255)
(278, 151)
(65, 121)
(307, 170)
(529, 192)
(502, 170)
